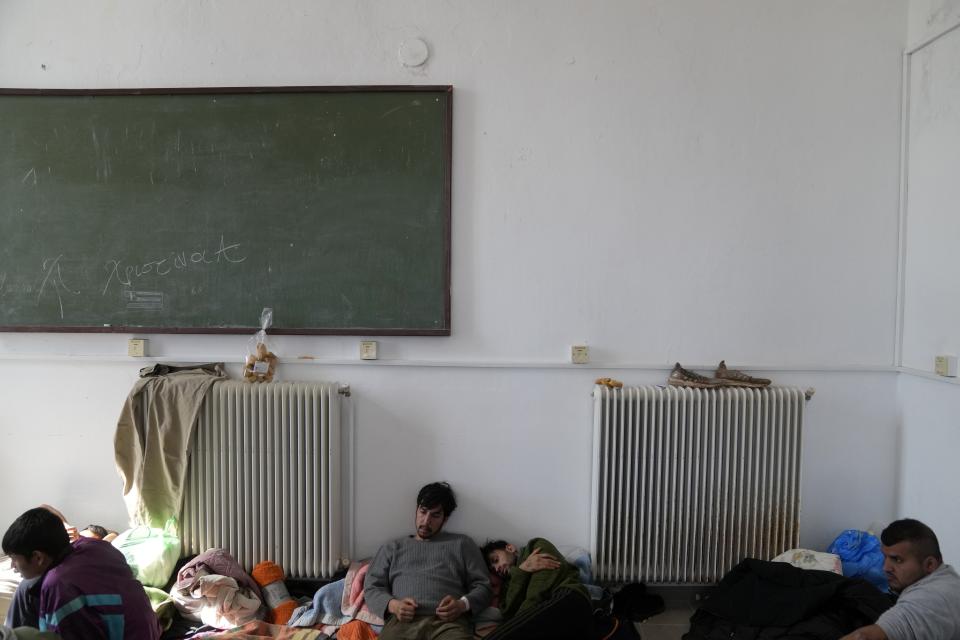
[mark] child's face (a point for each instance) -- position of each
(500, 560)
(31, 566)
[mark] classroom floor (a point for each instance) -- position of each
(675, 620)
(669, 625)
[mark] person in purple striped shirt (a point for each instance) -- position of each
(85, 589)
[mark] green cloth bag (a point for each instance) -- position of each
(152, 553)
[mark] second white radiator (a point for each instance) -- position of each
(688, 482)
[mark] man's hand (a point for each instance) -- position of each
(402, 609)
(72, 531)
(873, 632)
(538, 561)
(450, 608)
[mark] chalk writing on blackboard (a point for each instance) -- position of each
(126, 273)
(61, 276)
(53, 277)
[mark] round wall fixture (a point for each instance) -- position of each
(413, 52)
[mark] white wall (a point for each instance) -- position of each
(929, 438)
(931, 317)
(929, 17)
(663, 181)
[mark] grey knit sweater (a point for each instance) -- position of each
(427, 570)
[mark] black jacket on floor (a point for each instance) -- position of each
(759, 599)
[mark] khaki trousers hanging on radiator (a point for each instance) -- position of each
(153, 434)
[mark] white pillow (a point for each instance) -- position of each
(806, 559)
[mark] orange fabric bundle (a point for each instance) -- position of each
(269, 575)
(356, 630)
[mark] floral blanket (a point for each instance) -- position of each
(258, 630)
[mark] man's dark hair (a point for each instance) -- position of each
(490, 546)
(437, 494)
(36, 530)
(97, 530)
(922, 537)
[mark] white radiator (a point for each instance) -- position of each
(688, 482)
(264, 477)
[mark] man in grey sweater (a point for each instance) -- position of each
(424, 585)
(928, 605)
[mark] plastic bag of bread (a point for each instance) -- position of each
(261, 362)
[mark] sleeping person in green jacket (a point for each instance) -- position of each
(541, 596)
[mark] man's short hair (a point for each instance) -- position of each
(437, 494)
(922, 537)
(36, 530)
(490, 546)
(97, 530)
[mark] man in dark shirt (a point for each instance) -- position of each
(84, 590)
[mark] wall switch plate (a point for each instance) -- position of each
(137, 347)
(946, 366)
(368, 349)
(579, 354)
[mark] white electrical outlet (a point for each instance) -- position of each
(946, 366)
(579, 354)
(137, 347)
(368, 349)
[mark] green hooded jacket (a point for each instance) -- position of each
(525, 590)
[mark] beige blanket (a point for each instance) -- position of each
(215, 600)
(9, 580)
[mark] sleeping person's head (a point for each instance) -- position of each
(500, 555)
(98, 532)
(35, 541)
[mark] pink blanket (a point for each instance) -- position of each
(353, 603)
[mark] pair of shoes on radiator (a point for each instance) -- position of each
(723, 377)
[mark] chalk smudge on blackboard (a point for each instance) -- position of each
(389, 111)
(26, 176)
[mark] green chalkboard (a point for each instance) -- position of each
(189, 211)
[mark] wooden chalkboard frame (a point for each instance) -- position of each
(446, 205)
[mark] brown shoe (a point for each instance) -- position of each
(681, 377)
(734, 378)
(610, 383)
